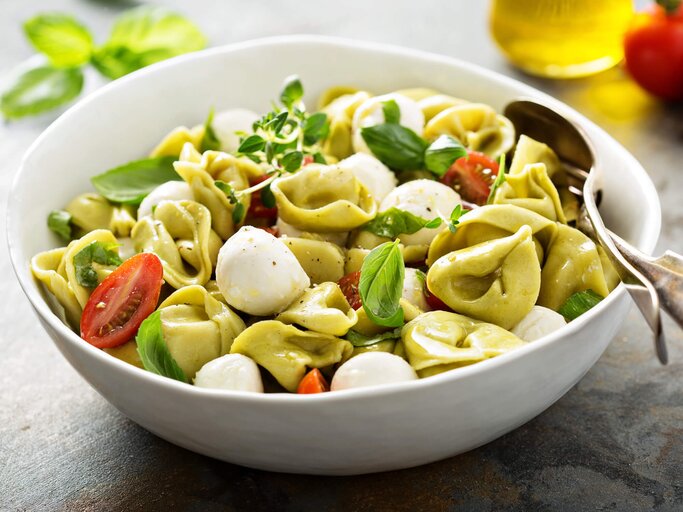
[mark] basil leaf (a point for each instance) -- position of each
(315, 128)
(396, 146)
(238, 212)
(143, 36)
(252, 144)
(95, 252)
(394, 222)
(267, 197)
(441, 154)
(61, 38)
(318, 158)
(210, 140)
(381, 284)
(59, 221)
(292, 161)
(154, 353)
(392, 112)
(359, 340)
(39, 89)
(500, 179)
(130, 183)
(292, 91)
(454, 218)
(578, 304)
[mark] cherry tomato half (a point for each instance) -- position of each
(256, 208)
(121, 302)
(435, 302)
(349, 287)
(472, 177)
(313, 382)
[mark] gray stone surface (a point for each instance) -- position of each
(614, 442)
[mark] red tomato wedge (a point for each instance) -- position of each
(121, 302)
(435, 302)
(349, 287)
(256, 208)
(313, 382)
(472, 177)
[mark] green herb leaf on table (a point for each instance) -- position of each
(359, 340)
(442, 153)
(381, 284)
(395, 146)
(59, 222)
(579, 303)
(394, 222)
(392, 112)
(292, 92)
(64, 41)
(500, 179)
(454, 218)
(38, 89)
(210, 140)
(315, 128)
(130, 183)
(154, 353)
(95, 252)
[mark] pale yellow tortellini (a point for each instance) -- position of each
(322, 261)
(496, 281)
(417, 93)
(491, 222)
(48, 268)
(439, 341)
(173, 143)
(340, 110)
(322, 308)
(180, 233)
(197, 328)
(92, 211)
(530, 151)
(128, 353)
(435, 104)
(323, 198)
(286, 352)
(476, 125)
(532, 189)
(573, 264)
(201, 171)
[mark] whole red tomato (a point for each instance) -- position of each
(653, 49)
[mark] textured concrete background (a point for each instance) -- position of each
(614, 442)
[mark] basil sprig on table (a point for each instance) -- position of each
(59, 222)
(154, 353)
(394, 222)
(359, 340)
(579, 303)
(381, 284)
(140, 37)
(95, 252)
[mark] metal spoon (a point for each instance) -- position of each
(647, 279)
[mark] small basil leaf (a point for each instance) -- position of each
(154, 353)
(578, 304)
(267, 197)
(59, 221)
(238, 213)
(39, 89)
(252, 144)
(292, 91)
(61, 38)
(359, 340)
(394, 222)
(210, 140)
(292, 161)
(441, 154)
(500, 179)
(381, 284)
(315, 128)
(130, 183)
(95, 252)
(454, 218)
(396, 146)
(392, 112)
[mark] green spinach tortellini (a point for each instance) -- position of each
(530, 151)
(173, 143)
(92, 211)
(439, 341)
(322, 261)
(339, 142)
(49, 268)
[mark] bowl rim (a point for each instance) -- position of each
(128, 371)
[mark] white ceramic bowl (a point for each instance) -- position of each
(346, 432)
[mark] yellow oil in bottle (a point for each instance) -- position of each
(561, 38)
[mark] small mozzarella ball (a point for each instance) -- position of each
(372, 173)
(414, 289)
(289, 230)
(126, 247)
(169, 191)
(426, 199)
(231, 371)
(371, 113)
(227, 122)
(258, 274)
(538, 323)
(372, 369)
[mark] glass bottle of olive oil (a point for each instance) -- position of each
(561, 38)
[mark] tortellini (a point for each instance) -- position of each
(530, 151)
(173, 143)
(439, 341)
(437, 103)
(496, 281)
(48, 268)
(322, 198)
(92, 211)
(340, 113)
(286, 351)
(322, 261)
(180, 234)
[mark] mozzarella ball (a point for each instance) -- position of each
(231, 371)
(169, 191)
(539, 322)
(413, 289)
(372, 369)
(371, 113)
(227, 122)
(126, 247)
(289, 230)
(258, 274)
(426, 199)
(372, 173)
